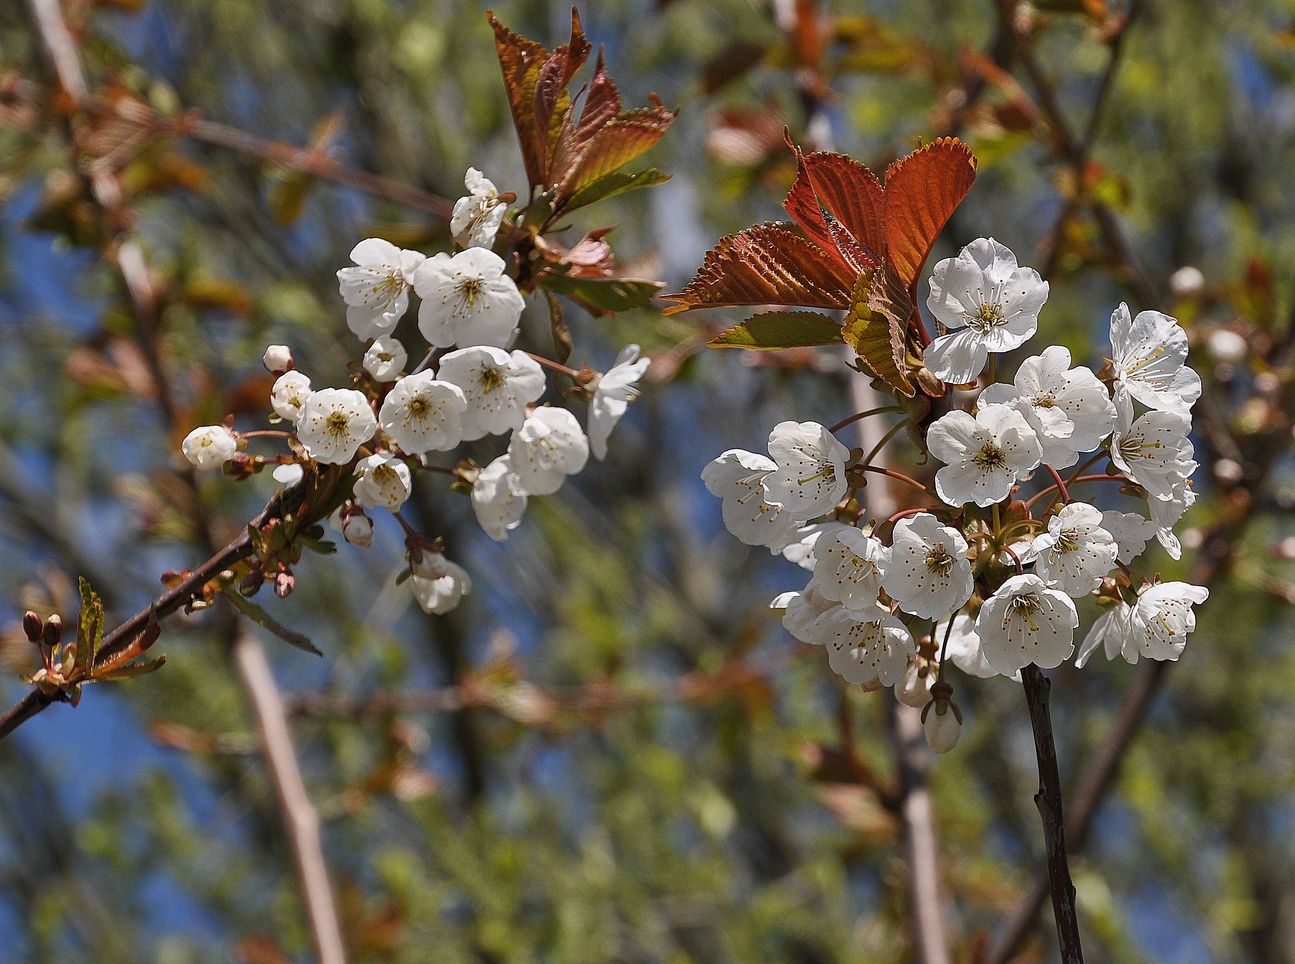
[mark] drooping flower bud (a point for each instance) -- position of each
(33, 626)
(278, 359)
(53, 631)
(942, 722)
(357, 529)
(915, 688)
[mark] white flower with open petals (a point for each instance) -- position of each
(376, 289)
(983, 454)
(382, 482)
(424, 414)
(612, 397)
(334, 422)
(439, 585)
(385, 359)
(801, 550)
(738, 478)
(498, 499)
(209, 446)
(963, 648)
(849, 566)
(1163, 616)
(1154, 451)
(1166, 513)
(867, 647)
(1076, 553)
(289, 394)
(988, 303)
(1026, 622)
(1113, 632)
(476, 218)
(928, 573)
(467, 300)
(1068, 408)
(810, 479)
(498, 385)
(546, 449)
(1130, 531)
(801, 612)
(1149, 358)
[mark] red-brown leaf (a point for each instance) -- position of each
(922, 191)
(834, 192)
(769, 264)
(520, 60)
(614, 145)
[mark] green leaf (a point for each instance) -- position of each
(874, 326)
(618, 182)
(775, 330)
(89, 629)
(603, 294)
(263, 619)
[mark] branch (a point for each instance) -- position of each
(1048, 800)
(300, 818)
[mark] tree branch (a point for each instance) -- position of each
(1048, 800)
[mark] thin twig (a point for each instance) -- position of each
(1048, 800)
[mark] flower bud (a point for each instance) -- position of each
(357, 529)
(33, 626)
(915, 688)
(53, 631)
(284, 582)
(942, 722)
(277, 359)
(251, 583)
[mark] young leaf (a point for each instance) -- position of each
(840, 204)
(874, 327)
(618, 182)
(775, 330)
(922, 191)
(768, 264)
(520, 60)
(133, 669)
(602, 294)
(263, 619)
(615, 144)
(89, 629)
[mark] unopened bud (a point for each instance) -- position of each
(915, 688)
(251, 583)
(358, 530)
(53, 631)
(33, 626)
(277, 359)
(284, 583)
(930, 384)
(942, 722)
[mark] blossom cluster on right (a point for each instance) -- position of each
(981, 574)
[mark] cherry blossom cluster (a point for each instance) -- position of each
(393, 420)
(987, 575)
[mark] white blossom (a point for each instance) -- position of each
(866, 647)
(334, 422)
(1068, 408)
(288, 474)
(612, 397)
(277, 359)
(355, 527)
(376, 290)
(467, 300)
(498, 499)
(1026, 622)
(801, 550)
(810, 478)
(1166, 513)
(963, 646)
(289, 394)
(1112, 631)
(382, 481)
(476, 218)
(988, 303)
(439, 584)
(1076, 553)
(915, 688)
(1148, 356)
(738, 477)
(385, 359)
(498, 386)
(1154, 451)
(984, 454)
(848, 569)
(1130, 531)
(209, 446)
(546, 449)
(423, 414)
(928, 573)
(1163, 616)
(942, 726)
(801, 612)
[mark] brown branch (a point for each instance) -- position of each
(1048, 800)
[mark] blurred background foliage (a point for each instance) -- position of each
(612, 751)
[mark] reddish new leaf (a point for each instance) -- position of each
(768, 264)
(922, 191)
(614, 145)
(520, 59)
(840, 204)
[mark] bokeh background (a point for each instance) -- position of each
(612, 751)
